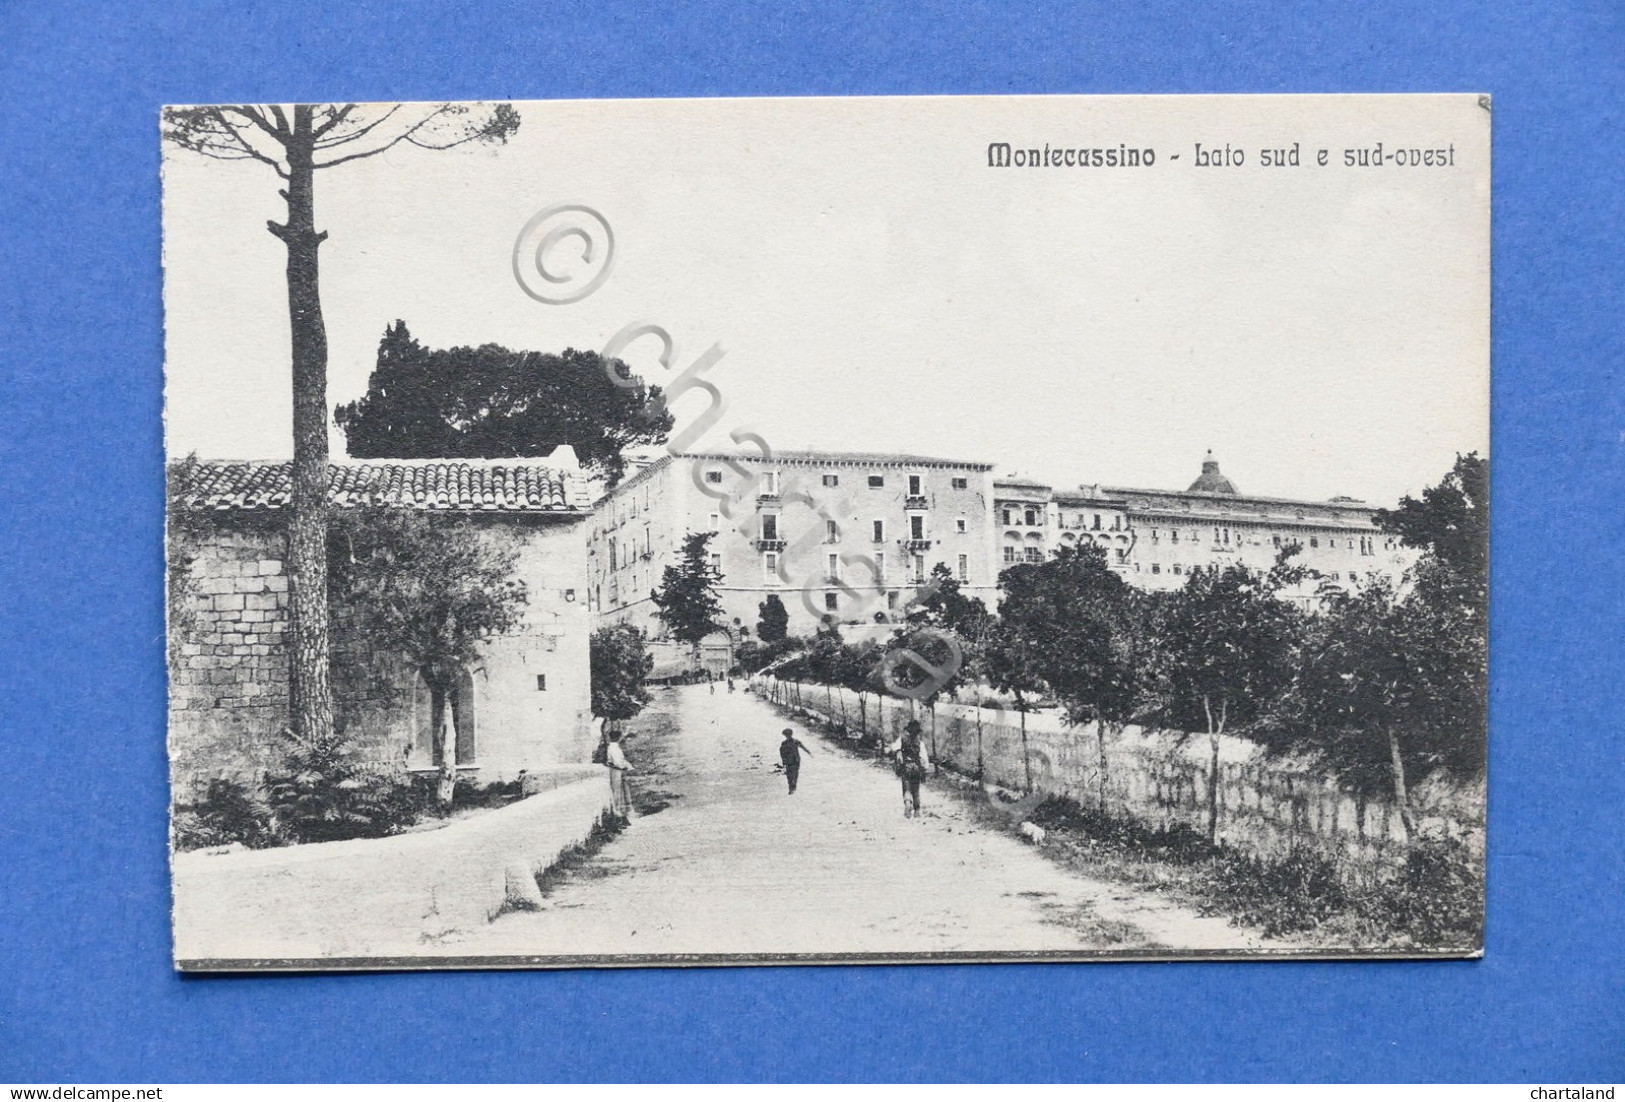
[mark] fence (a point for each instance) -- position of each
(1158, 778)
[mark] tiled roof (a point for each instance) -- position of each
(453, 485)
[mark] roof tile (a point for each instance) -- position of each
(452, 485)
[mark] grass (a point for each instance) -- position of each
(572, 860)
(1431, 900)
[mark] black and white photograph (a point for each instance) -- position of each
(773, 531)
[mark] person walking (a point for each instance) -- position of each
(620, 796)
(910, 761)
(790, 751)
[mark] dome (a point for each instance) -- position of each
(1212, 482)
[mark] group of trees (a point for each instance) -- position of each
(494, 402)
(1384, 686)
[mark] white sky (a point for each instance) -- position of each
(876, 287)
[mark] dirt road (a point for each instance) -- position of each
(728, 863)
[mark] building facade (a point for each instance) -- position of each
(1157, 538)
(844, 535)
(524, 706)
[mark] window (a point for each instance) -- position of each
(1154, 536)
(916, 527)
(1275, 541)
(832, 480)
(964, 568)
(770, 482)
(1096, 525)
(770, 565)
(541, 683)
(832, 532)
(880, 531)
(1035, 554)
(1176, 568)
(876, 482)
(1117, 524)
(770, 526)
(834, 568)
(1031, 517)
(716, 522)
(880, 567)
(959, 525)
(961, 483)
(1008, 515)
(914, 489)
(1173, 535)
(713, 476)
(716, 563)
(1009, 552)
(1156, 568)
(891, 599)
(830, 603)
(919, 569)
(1314, 541)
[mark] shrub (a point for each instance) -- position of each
(1436, 896)
(325, 795)
(228, 813)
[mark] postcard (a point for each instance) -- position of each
(753, 531)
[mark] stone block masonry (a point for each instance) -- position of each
(228, 667)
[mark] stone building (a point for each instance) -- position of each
(1156, 538)
(524, 706)
(839, 534)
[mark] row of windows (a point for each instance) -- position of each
(916, 483)
(1224, 537)
(876, 568)
(769, 528)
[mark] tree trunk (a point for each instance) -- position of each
(1026, 761)
(935, 766)
(443, 742)
(1213, 732)
(310, 701)
(1402, 796)
(981, 767)
(1100, 739)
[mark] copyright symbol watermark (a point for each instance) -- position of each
(563, 254)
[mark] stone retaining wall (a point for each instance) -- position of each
(378, 898)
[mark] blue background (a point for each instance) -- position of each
(86, 991)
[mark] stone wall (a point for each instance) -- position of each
(228, 676)
(229, 667)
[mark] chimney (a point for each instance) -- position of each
(577, 487)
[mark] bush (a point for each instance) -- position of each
(228, 813)
(325, 795)
(1433, 899)
(1297, 892)
(1436, 896)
